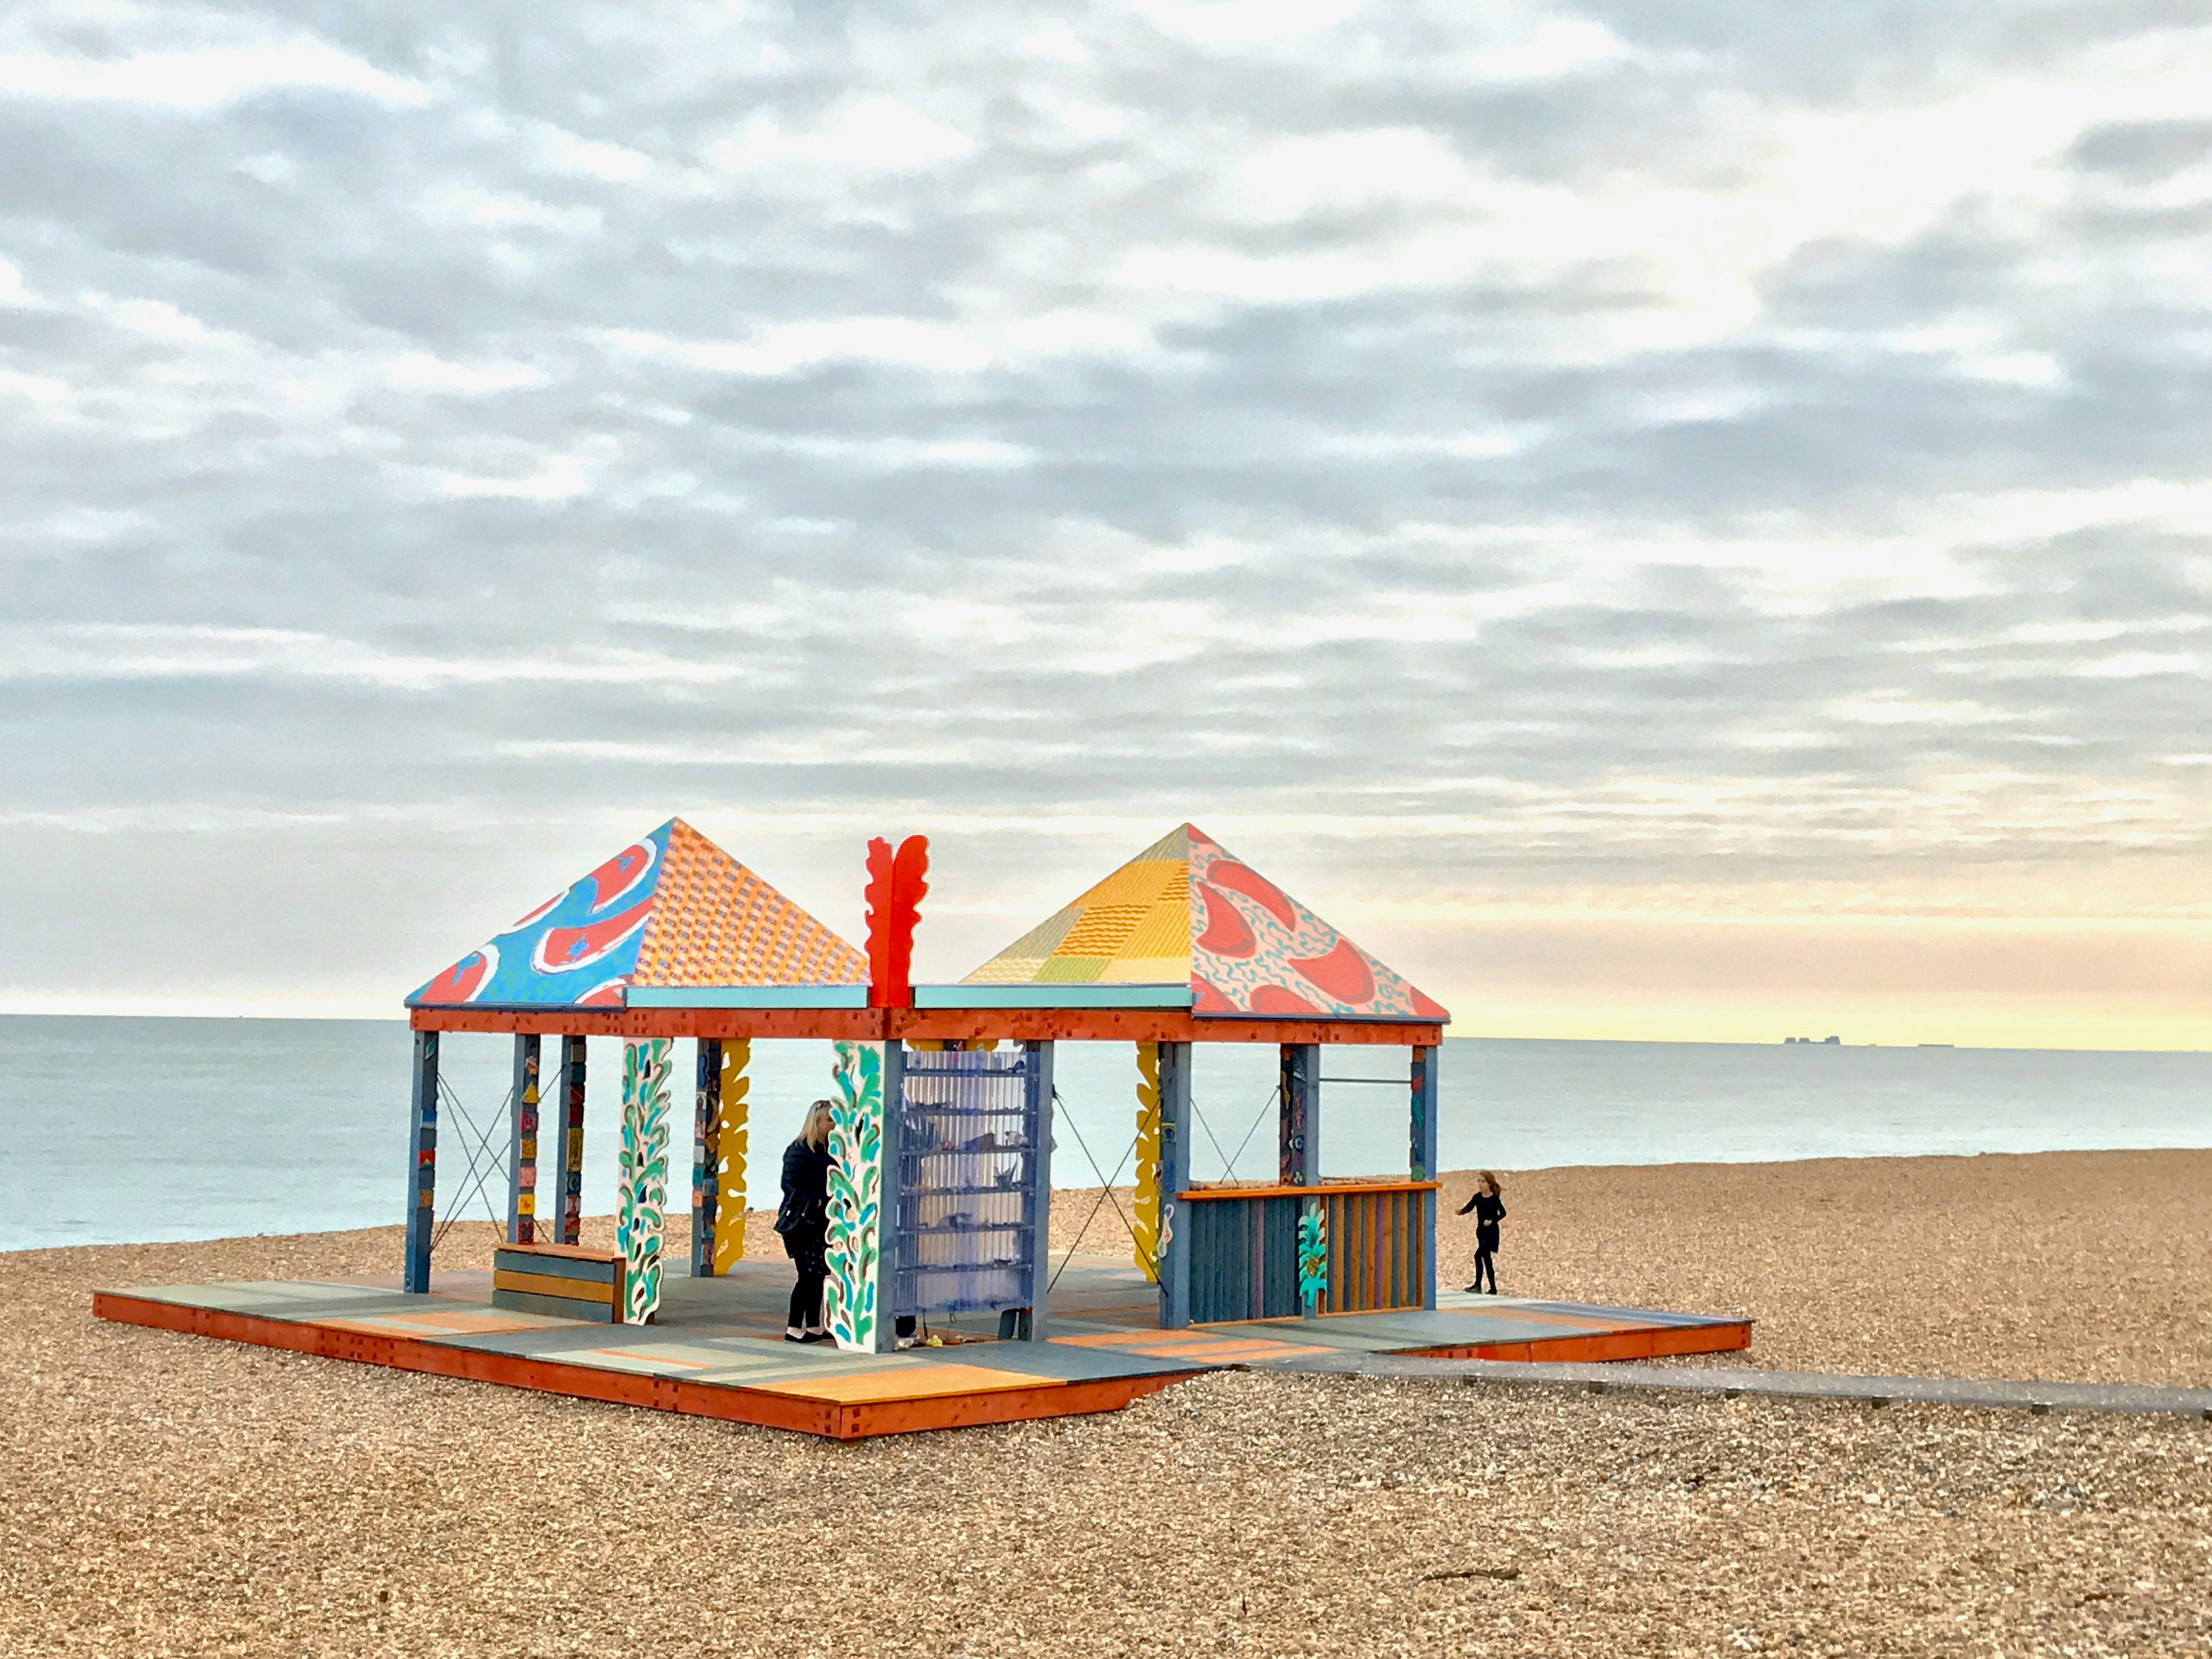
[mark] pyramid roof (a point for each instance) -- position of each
(670, 920)
(1188, 918)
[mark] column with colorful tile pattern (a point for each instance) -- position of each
(568, 1085)
(1297, 1137)
(522, 1144)
(706, 1133)
(421, 1166)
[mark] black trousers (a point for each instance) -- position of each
(806, 1250)
(1484, 1265)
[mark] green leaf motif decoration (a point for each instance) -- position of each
(1313, 1256)
(641, 1200)
(856, 1177)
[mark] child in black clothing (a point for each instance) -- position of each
(1488, 1203)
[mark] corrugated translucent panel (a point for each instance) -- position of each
(966, 1227)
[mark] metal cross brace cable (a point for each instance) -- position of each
(471, 1181)
(1105, 1193)
(477, 1172)
(1208, 1128)
(483, 1171)
(1229, 1171)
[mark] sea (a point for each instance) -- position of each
(118, 1130)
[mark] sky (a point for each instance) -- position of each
(1661, 521)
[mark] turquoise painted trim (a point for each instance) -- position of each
(748, 996)
(1051, 996)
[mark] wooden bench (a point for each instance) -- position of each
(566, 1280)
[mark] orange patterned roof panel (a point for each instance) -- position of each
(715, 922)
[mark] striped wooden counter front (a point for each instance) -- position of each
(566, 1280)
(1379, 1245)
(1244, 1248)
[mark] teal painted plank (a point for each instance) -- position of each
(555, 1307)
(553, 1267)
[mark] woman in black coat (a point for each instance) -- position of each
(803, 1219)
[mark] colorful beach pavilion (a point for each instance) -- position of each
(941, 1150)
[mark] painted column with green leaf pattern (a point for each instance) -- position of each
(868, 1079)
(641, 1197)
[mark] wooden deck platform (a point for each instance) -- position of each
(717, 1349)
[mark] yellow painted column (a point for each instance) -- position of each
(1146, 1225)
(728, 1153)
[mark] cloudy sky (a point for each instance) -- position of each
(1686, 521)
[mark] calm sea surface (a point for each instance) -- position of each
(126, 1130)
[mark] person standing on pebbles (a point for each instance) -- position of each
(1488, 1203)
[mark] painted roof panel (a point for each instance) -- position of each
(671, 909)
(717, 923)
(1186, 910)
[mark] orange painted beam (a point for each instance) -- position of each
(832, 1024)
(916, 1024)
(1145, 1026)
(964, 1410)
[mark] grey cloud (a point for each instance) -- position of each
(1477, 545)
(2140, 151)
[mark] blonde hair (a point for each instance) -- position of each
(815, 1131)
(1489, 1178)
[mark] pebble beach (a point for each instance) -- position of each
(161, 1494)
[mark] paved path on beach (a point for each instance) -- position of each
(1733, 1381)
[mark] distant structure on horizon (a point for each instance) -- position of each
(1818, 1043)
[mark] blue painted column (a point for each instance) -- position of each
(421, 1166)
(1041, 1195)
(522, 1144)
(706, 1115)
(567, 1212)
(1422, 1161)
(1175, 1181)
(1297, 1123)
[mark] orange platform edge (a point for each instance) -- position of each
(831, 1419)
(1655, 1344)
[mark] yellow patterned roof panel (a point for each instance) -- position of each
(1147, 970)
(1101, 931)
(1132, 928)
